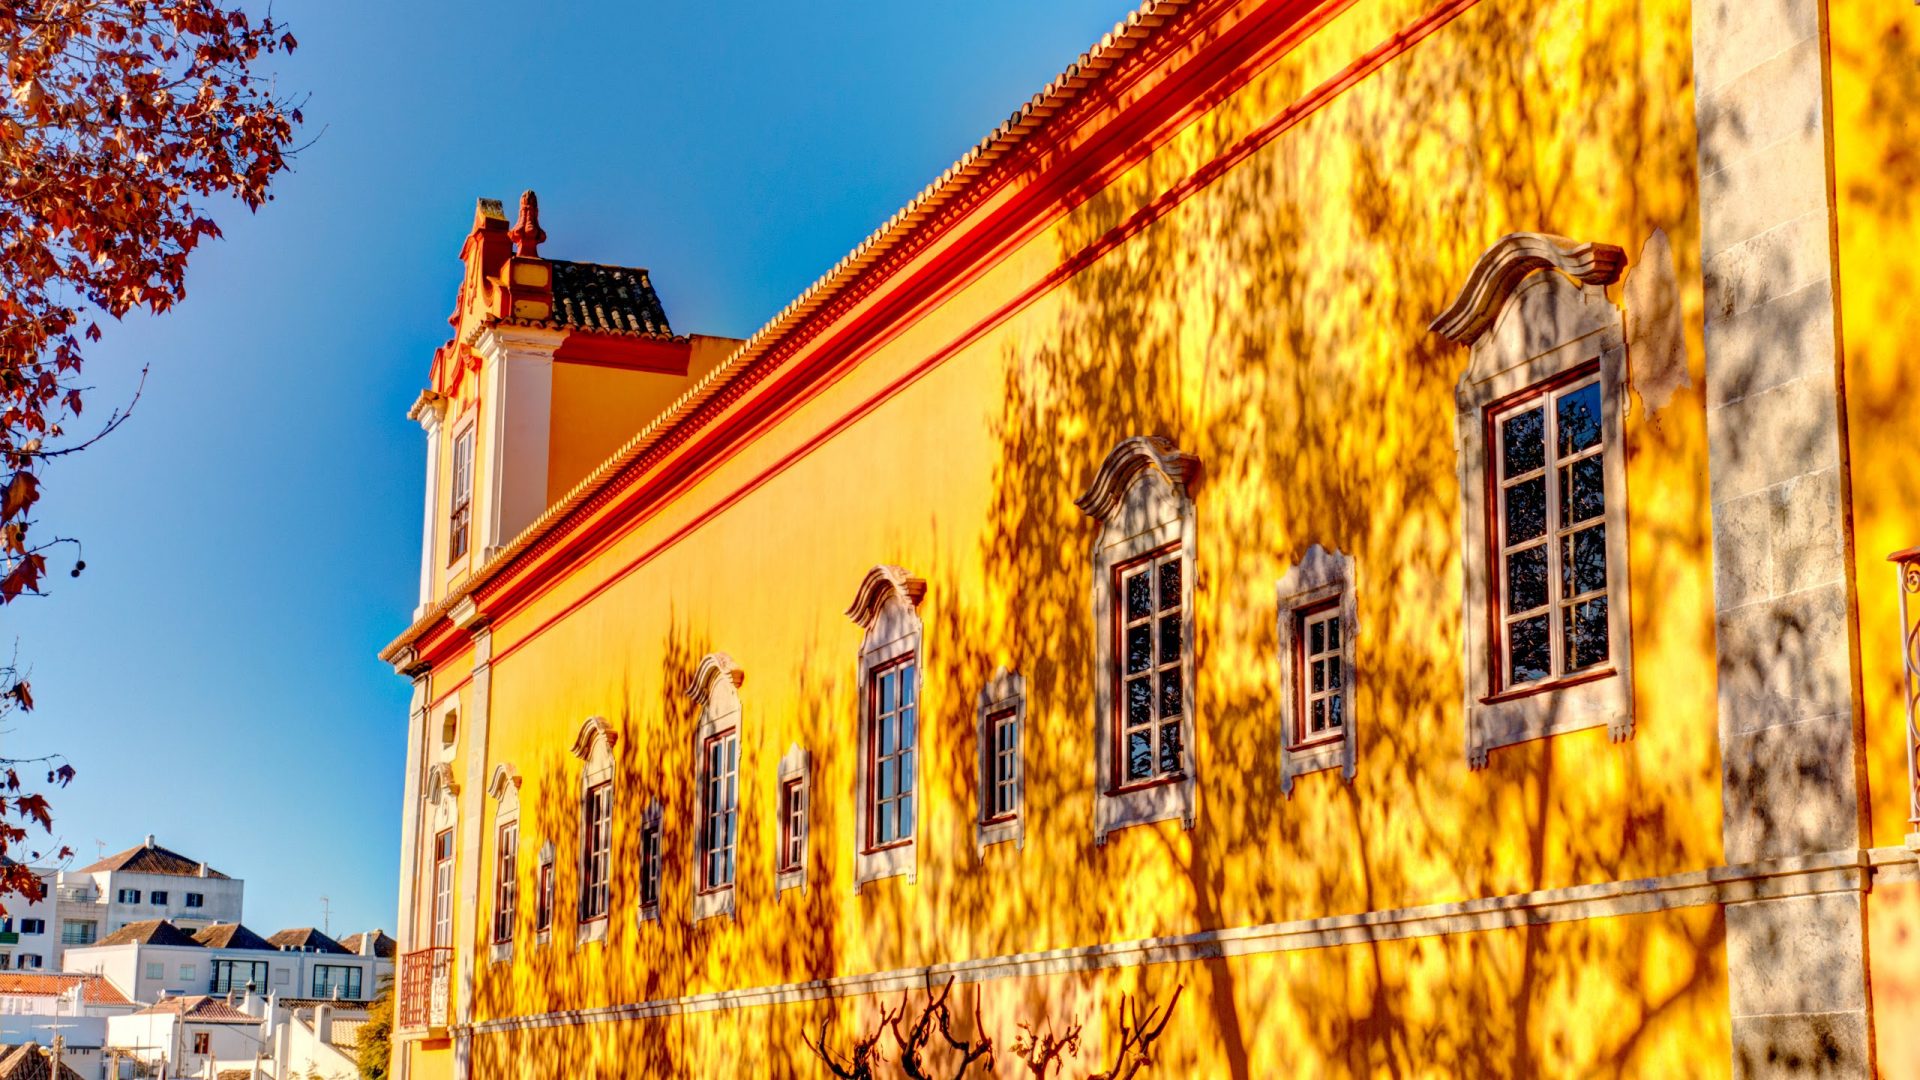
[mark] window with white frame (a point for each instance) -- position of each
(1000, 721)
(652, 847)
(156, 970)
(1543, 484)
(594, 747)
(1317, 623)
(543, 893)
(460, 508)
(505, 790)
(887, 780)
(790, 860)
(1143, 586)
(443, 888)
(715, 692)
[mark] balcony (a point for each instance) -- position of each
(76, 894)
(425, 978)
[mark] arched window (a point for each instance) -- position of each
(505, 790)
(887, 784)
(716, 691)
(594, 747)
(1143, 578)
(442, 813)
(1543, 492)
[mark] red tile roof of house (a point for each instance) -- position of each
(230, 935)
(148, 932)
(29, 1062)
(97, 990)
(200, 1009)
(152, 859)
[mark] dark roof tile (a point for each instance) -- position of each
(305, 939)
(151, 859)
(611, 299)
(230, 935)
(149, 932)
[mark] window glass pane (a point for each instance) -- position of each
(1333, 711)
(1316, 637)
(1319, 721)
(886, 692)
(907, 728)
(1527, 579)
(906, 684)
(1523, 443)
(1526, 510)
(1169, 584)
(1583, 561)
(1169, 638)
(1170, 693)
(1139, 702)
(1319, 680)
(1139, 649)
(1530, 655)
(1585, 629)
(1333, 672)
(1139, 755)
(1578, 414)
(1583, 491)
(906, 772)
(1139, 596)
(1333, 634)
(1170, 747)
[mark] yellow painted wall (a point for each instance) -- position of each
(597, 409)
(1875, 69)
(1275, 324)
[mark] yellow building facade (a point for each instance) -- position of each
(1373, 513)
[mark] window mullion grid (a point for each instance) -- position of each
(1556, 603)
(1506, 550)
(1163, 668)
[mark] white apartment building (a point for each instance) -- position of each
(153, 959)
(141, 884)
(30, 930)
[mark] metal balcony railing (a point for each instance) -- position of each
(1908, 563)
(425, 978)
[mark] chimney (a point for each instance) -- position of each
(203, 865)
(368, 942)
(323, 1023)
(149, 839)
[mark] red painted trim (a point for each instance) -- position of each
(710, 437)
(627, 353)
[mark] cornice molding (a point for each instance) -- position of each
(429, 409)
(881, 584)
(595, 727)
(1502, 267)
(712, 665)
(1127, 461)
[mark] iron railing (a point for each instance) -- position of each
(425, 977)
(1908, 563)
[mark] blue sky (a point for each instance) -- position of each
(252, 535)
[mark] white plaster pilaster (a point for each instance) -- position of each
(430, 418)
(516, 377)
(472, 933)
(411, 786)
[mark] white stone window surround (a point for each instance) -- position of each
(545, 889)
(1005, 692)
(441, 815)
(715, 691)
(504, 789)
(1320, 577)
(1142, 498)
(652, 818)
(465, 426)
(1534, 309)
(794, 767)
(887, 608)
(594, 747)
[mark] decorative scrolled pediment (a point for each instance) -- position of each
(1501, 269)
(505, 781)
(440, 782)
(595, 729)
(881, 585)
(712, 666)
(1124, 464)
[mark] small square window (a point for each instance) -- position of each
(157, 897)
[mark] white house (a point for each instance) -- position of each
(37, 1008)
(141, 884)
(154, 959)
(188, 1032)
(29, 929)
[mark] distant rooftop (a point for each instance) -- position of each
(96, 990)
(149, 932)
(199, 1008)
(305, 939)
(151, 858)
(230, 935)
(383, 945)
(29, 1062)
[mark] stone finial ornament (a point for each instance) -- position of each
(527, 235)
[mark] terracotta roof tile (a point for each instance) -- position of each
(29, 1062)
(151, 860)
(305, 939)
(200, 1008)
(611, 299)
(97, 990)
(149, 932)
(230, 935)
(383, 945)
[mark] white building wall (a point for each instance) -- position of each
(151, 1036)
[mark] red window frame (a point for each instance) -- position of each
(719, 809)
(506, 890)
(793, 823)
(1003, 749)
(202, 1043)
(1493, 482)
(596, 853)
(905, 716)
(1170, 554)
(543, 900)
(460, 498)
(1326, 611)
(442, 926)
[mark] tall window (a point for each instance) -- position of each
(720, 806)
(203, 1042)
(596, 851)
(443, 888)
(893, 737)
(1320, 697)
(235, 975)
(543, 897)
(1003, 788)
(650, 844)
(793, 824)
(1152, 649)
(505, 887)
(460, 513)
(338, 981)
(77, 931)
(1550, 531)
(195, 900)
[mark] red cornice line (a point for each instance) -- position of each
(537, 579)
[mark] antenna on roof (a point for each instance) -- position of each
(326, 916)
(101, 847)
